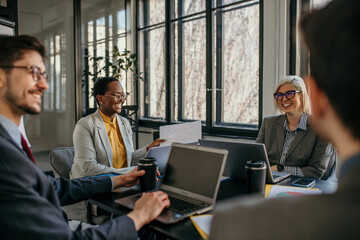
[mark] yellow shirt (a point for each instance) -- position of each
(119, 158)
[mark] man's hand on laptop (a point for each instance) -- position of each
(129, 179)
(148, 207)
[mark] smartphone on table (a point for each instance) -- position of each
(304, 182)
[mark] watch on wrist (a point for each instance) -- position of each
(280, 167)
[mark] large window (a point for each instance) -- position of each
(103, 26)
(53, 97)
(201, 61)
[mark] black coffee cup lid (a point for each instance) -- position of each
(149, 160)
(257, 164)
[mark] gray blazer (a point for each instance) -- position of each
(334, 216)
(93, 154)
(307, 151)
(30, 205)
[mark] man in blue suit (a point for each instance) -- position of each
(332, 35)
(30, 201)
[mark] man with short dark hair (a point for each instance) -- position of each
(29, 201)
(332, 35)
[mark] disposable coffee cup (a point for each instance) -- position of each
(255, 176)
(148, 181)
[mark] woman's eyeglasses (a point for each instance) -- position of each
(289, 95)
(36, 72)
(118, 97)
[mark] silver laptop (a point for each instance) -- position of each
(239, 154)
(191, 179)
(161, 155)
(271, 176)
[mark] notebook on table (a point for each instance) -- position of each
(239, 154)
(191, 179)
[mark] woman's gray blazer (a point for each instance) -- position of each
(307, 150)
(93, 154)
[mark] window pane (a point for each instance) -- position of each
(154, 74)
(100, 28)
(103, 27)
(57, 82)
(90, 83)
(48, 101)
(121, 44)
(229, 1)
(320, 3)
(240, 90)
(152, 12)
(186, 7)
(121, 21)
(193, 70)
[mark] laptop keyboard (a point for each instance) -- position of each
(183, 207)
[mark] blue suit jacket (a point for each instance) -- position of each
(30, 201)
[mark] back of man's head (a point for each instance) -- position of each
(332, 35)
(12, 48)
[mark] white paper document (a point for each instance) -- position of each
(181, 133)
(202, 224)
(287, 191)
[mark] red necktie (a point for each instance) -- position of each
(27, 149)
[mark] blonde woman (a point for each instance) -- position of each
(291, 144)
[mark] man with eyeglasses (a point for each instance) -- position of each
(30, 202)
(332, 35)
(103, 140)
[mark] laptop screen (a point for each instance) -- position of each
(193, 170)
(235, 164)
(161, 155)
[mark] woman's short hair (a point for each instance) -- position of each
(101, 86)
(299, 85)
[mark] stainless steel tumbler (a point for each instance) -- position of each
(148, 181)
(255, 176)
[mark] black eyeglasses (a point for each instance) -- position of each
(289, 95)
(118, 97)
(36, 72)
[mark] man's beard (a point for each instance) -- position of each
(24, 108)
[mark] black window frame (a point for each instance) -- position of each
(210, 126)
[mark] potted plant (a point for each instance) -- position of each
(122, 62)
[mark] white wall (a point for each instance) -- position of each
(276, 49)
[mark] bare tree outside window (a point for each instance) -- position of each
(235, 61)
(240, 65)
